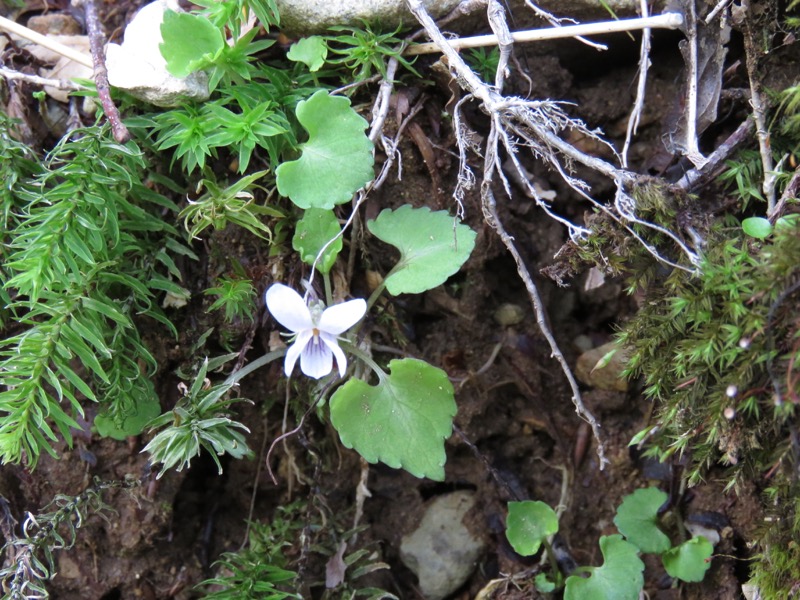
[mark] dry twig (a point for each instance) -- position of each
(692, 150)
(638, 106)
(45, 42)
(698, 177)
(97, 42)
(760, 106)
(61, 84)
(665, 21)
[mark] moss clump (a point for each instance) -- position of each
(718, 354)
(777, 571)
(705, 346)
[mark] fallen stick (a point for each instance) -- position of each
(97, 42)
(665, 21)
(46, 42)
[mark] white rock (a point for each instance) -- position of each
(138, 67)
(315, 16)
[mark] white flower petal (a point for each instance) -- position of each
(341, 317)
(294, 351)
(333, 345)
(288, 308)
(316, 360)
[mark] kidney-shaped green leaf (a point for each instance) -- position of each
(312, 51)
(637, 520)
(146, 410)
(403, 421)
(690, 560)
(190, 42)
(313, 231)
(336, 161)
(528, 524)
(620, 577)
(431, 248)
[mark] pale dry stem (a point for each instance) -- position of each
(61, 84)
(759, 106)
(692, 150)
(665, 21)
(638, 105)
(559, 22)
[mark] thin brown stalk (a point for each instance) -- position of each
(97, 43)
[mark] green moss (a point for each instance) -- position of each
(778, 568)
(717, 352)
(702, 345)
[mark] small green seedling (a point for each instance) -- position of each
(484, 62)
(364, 51)
(233, 204)
(530, 524)
(760, 228)
(236, 297)
(199, 421)
(311, 51)
(193, 43)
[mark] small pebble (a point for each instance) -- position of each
(509, 314)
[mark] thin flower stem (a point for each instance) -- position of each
(326, 278)
(236, 376)
(373, 298)
(366, 358)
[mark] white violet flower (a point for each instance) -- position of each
(316, 329)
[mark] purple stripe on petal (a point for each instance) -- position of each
(316, 359)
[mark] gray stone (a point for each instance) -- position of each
(608, 377)
(508, 314)
(315, 16)
(303, 17)
(442, 552)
